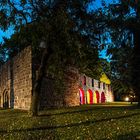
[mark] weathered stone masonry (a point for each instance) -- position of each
(17, 77)
(16, 81)
(54, 93)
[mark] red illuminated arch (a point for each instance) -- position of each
(90, 96)
(82, 96)
(97, 96)
(103, 97)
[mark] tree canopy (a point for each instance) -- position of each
(68, 33)
(121, 20)
(68, 25)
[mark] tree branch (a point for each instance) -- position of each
(18, 11)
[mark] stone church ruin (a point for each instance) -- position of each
(17, 79)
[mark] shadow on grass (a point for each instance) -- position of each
(94, 108)
(69, 125)
(10, 113)
(128, 136)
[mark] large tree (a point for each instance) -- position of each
(121, 20)
(121, 68)
(65, 29)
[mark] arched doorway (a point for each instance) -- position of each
(5, 99)
(97, 96)
(94, 98)
(89, 96)
(82, 96)
(103, 97)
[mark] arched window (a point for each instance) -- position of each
(92, 82)
(84, 80)
(98, 84)
(5, 99)
(103, 85)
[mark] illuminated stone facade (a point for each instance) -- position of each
(94, 91)
(18, 75)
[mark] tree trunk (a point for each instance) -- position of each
(136, 65)
(37, 86)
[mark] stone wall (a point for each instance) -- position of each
(16, 81)
(71, 92)
(51, 96)
(22, 79)
(61, 92)
(67, 93)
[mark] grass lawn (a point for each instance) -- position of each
(117, 121)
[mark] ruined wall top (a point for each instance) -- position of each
(16, 81)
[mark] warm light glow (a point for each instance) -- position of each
(105, 79)
(126, 99)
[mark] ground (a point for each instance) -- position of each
(117, 121)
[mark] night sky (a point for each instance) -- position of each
(95, 5)
(9, 32)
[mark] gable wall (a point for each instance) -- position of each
(16, 80)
